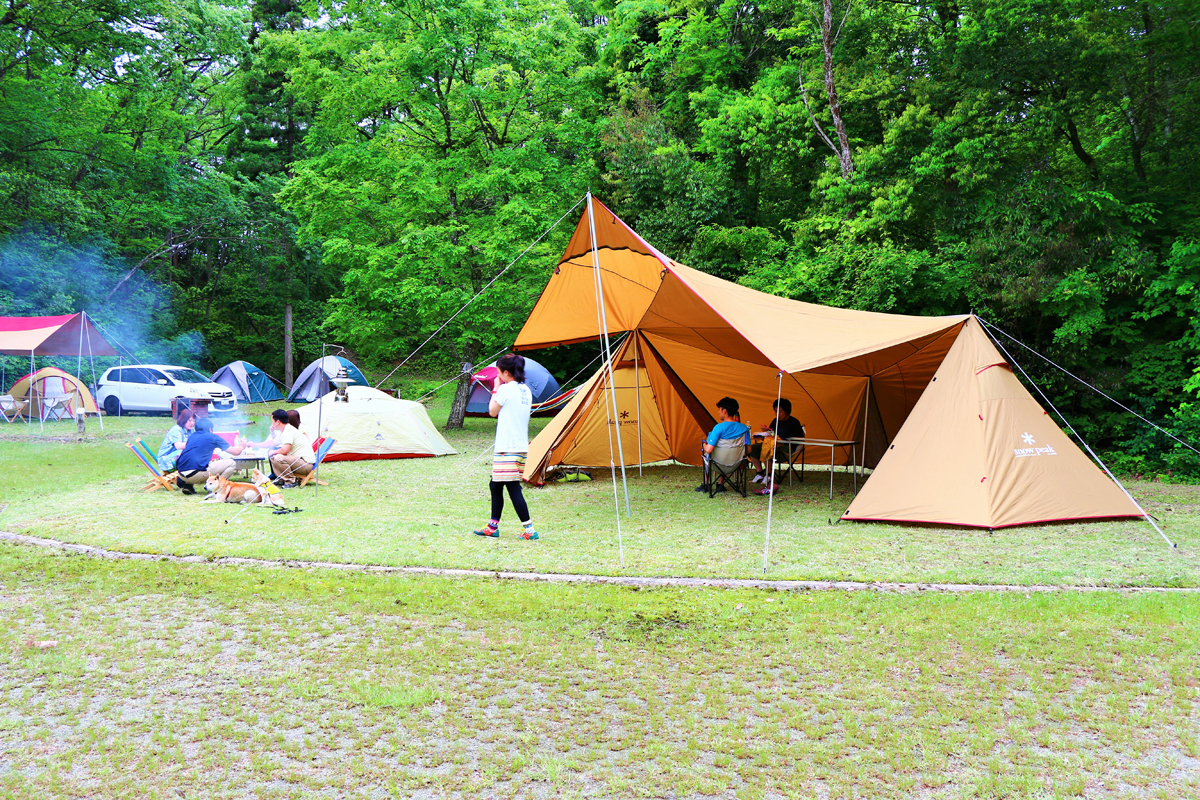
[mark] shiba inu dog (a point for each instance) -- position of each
(223, 490)
(271, 494)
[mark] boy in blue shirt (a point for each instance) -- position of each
(729, 426)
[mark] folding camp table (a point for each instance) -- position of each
(249, 460)
(832, 444)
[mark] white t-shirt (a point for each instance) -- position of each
(512, 423)
(301, 446)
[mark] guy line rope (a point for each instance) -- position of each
(480, 292)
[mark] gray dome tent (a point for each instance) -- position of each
(314, 380)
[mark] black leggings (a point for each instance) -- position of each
(514, 494)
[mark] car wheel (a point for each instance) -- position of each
(112, 406)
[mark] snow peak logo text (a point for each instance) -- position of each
(1026, 452)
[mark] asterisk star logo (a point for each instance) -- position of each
(624, 415)
(1027, 438)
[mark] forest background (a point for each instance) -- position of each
(189, 172)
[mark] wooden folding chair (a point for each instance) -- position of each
(321, 451)
(157, 480)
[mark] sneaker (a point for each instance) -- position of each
(289, 485)
(489, 531)
(529, 534)
(720, 487)
(187, 488)
(701, 488)
(758, 478)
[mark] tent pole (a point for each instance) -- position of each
(866, 407)
(637, 379)
(33, 391)
(607, 364)
(79, 358)
(771, 480)
(1082, 441)
(607, 349)
(92, 361)
(320, 408)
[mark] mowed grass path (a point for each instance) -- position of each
(174, 680)
(421, 512)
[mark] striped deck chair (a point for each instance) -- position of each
(150, 454)
(157, 480)
(548, 408)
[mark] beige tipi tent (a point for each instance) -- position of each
(953, 436)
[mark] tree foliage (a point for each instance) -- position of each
(377, 165)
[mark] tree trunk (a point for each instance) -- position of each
(287, 345)
(458, 409)
(845, 156)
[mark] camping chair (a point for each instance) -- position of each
(157, 480)
(56, 400)
(13, 408)
(150, 454)
(727, 460)
(784, 459)
(322, 450)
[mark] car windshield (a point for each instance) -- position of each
(185, 375)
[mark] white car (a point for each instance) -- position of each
(152, 387)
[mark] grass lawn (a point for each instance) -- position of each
(421, 512)
(175, 680)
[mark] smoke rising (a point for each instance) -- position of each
(42, 275)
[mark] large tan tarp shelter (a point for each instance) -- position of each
(952, 435)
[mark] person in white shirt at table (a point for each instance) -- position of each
(295, 456)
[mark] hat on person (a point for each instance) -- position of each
(204, 424)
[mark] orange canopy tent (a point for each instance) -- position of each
(952, 435)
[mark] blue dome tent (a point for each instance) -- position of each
(539, 380)
(248, 383)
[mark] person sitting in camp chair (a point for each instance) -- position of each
(784, 426)
(195, 463)
(729, 429)
(175, 440)
(295, 456)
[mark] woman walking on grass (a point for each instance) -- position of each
(510, 405)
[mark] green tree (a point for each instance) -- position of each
(448, 133)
